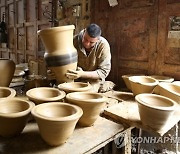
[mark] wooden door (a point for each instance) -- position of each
(131, 29)
(168, 57)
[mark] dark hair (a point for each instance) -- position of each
(93, 30)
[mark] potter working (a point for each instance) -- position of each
(94, 56)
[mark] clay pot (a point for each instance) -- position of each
(56, 121)
(45, 94)
(6, 92)
(170, 90)
(7, 68)
(126, 79)
(75, 87)
(60, 54)
(14, 114)
(91, 103)
(155, 110)
(162, 78)
(142, 84)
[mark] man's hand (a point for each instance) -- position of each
(71, 74)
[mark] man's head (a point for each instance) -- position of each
(91, 36)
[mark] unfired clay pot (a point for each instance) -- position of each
(6, 92)
(56, 121)
(126, 79)
(75, 87)
(142, 84)
(14, 114)
(7, 68)
(155, 110)
(91, 103)
(45, 94)
(170, 90)
(60, 54)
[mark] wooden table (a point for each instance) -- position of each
(83, 140)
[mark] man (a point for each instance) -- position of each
(94, 56)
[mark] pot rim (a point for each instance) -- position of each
(62, 87)
(168, 108)
(61, 96)
(12, 92)
(163, 85)
(143, 83)
(55, 29)
(78, 112)
(99, 100)
(16, 114)
(162, 78)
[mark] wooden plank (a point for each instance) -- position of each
(83, 140)
(127, 112)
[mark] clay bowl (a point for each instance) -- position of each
(91, 103)
(170, 90)
(161, 78)
(126, 79)
(45, 94)
(142, 84)
(75, 87)
(56, 121)
(14, 114)
(155, 110)
(6, 92)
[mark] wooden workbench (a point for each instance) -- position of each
(83, 140)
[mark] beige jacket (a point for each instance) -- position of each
(99, 58)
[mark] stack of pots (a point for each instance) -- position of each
(60, 54)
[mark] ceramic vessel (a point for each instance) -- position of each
(75, 87)
(45, 94)
(6, 92)
(155, 110)
(91, 103)
(161, 78)
(14, 114)
(170, 90)
(7, 68)
(142, 84)
(126, 79)
(56, 121)
(60, 54)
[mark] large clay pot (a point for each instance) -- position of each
(14, 114)
(56, 121)
(155, 110)
(7, 68)
(60, 54)
(91, 103)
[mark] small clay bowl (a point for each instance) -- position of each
(45, 94)
(162, 78)
(170, 90)
(142, 84)
(92, 104)
(126, 79)
(14, 114)
(75, 87)
(56, 121)
(155, 110)
(6, 92)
